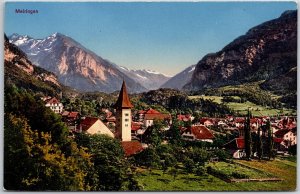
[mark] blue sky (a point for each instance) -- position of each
(161, 36)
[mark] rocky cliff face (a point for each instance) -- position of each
(74, 65)
(21, 72)
(265, 52)
(180, 79)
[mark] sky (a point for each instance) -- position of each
(162, 36)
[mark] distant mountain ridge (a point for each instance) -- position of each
(265, 52)
(180, 79)
(150, 79)
(74, 65)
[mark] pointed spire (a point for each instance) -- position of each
(123, 100)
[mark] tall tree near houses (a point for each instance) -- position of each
(248, 139)
(259, 144)
(270, 142)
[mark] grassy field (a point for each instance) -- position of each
(284, 169)
(228, 169)
(242, 108)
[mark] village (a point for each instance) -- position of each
(130, 127)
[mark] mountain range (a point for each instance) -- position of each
(82, 69)
(266, 54)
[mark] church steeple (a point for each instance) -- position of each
(123, 100)
(123, 115)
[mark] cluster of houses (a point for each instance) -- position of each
(129, 128)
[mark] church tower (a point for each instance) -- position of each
(123, 115)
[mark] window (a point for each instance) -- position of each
(126, 125)
(126, 114)
(126, 120)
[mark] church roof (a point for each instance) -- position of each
(123, 100)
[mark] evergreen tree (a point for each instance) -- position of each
(248, 139)
(270, 142)
(259, 145)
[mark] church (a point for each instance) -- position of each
(123, 108)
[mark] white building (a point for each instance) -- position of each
(54, 105)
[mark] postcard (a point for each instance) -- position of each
(150, 96)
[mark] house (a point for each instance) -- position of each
(92, 125)
(136, 128)
(207, 122)
(185, 118)
(71, 119)
(150, 115)
(289, 139)
(54, 104)
(236, 147)
(197, 133)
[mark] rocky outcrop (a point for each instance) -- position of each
(265, 52)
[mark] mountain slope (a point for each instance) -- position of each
(147, 78)
(180, 79)
(74, 65)
(18, 70)
(265, 52)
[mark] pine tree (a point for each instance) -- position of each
(248, 139)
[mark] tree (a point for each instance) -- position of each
(174, 133)
(248, 141)
(259, 145)
(41, 164)
(270, 142)
(112, 170)
(154, 134)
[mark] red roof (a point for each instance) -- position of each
(123, 100)
(152, 111)
(131, 147)
(88, 122)
(142, 111)
(65, 113)
(135, 126)
(240, 142)
(201, 132)
(239, 120)
(277, 140)
(52, 101)
(184, 117)
(280, 133)
(237, 143)
(73, 114)
(157, 116)
(203, 120)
